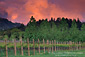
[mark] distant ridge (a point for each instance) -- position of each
(6, 24)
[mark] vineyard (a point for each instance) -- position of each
(28, 48)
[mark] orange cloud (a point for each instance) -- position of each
(22, 10)
(36, 7)
(14, 16)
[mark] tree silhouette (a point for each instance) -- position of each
(62, 29)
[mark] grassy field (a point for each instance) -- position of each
(79, 53)
(65, 53)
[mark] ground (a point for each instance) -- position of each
(76, 53)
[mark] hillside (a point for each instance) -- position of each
(6, 24)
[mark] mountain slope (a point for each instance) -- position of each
(6, 24)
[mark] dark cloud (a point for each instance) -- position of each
(3, 13)
(21, 10)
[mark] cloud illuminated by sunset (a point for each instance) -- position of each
(22, 10)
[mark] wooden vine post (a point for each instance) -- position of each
(48, 45)
(52, 46)
(6, 47)
(73, 46)
(65, 44)
(39, 46)
(15, 47)
(21, 46)
(55, 44)
(59, 46)
(79, 45)
(70, 45)
(28, 47)
(44, 45)
(68, 42)
(33, 47)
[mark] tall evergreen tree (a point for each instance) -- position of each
(45, 29)
(31, 29)
(82, 34)
(53, 31)
(74, 31)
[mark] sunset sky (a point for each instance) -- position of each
(22, 10)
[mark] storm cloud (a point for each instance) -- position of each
(22, 10)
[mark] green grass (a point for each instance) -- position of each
(59, 53)
(25, 51)
(77, 53)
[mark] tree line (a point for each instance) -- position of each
(60, 29)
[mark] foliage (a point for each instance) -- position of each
(5, 37)
(62, 29)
